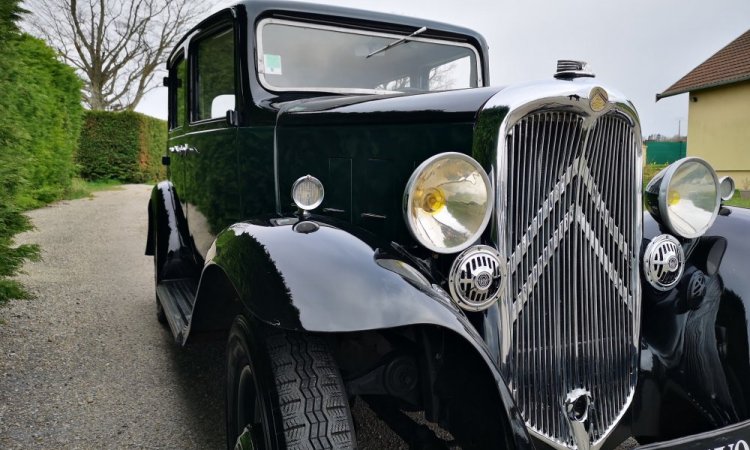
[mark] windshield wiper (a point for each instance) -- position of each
(400, 41)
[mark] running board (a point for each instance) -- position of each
(177, 297)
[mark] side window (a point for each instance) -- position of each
(214, 76)
(177, 89)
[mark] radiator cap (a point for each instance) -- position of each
(568, 69)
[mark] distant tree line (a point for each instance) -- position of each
(662, 138)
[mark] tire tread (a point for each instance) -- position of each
(312, 400)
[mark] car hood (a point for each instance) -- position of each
(449, 106)
(364, 148)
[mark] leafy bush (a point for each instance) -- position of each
(12, 258)
(125, 146)
(41, 113)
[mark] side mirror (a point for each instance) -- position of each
(221, 104)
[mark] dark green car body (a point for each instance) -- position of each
(227, 241)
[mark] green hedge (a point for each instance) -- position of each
(40, 120)
(125, 146)
(41, 115)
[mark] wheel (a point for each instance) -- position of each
(284, 391)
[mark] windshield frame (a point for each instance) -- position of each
(257, 53)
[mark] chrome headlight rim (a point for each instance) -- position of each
(726, 188)
(664, 184)
(317, 183)
(409, 195)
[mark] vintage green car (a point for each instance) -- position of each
(367, 218)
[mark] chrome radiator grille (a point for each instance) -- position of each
(572, 221)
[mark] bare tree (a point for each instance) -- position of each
(117, 45)
(441, 77)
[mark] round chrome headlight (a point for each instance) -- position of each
(447, 202)
(685, 197)
(307, 193)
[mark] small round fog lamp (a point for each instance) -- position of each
(307, 193)
(726, 186)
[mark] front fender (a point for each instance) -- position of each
(314, 277)
(695, 360)
(327, 280)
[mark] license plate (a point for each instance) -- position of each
(732, 437)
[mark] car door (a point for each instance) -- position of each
(210, 191)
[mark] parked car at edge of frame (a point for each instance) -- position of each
(367, 217)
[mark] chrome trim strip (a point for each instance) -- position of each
(372, 216)
(276, 182)
(259, 59)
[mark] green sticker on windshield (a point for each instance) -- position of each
(272, 64)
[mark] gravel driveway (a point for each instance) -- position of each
(86, 365)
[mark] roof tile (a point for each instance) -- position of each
(728, 65)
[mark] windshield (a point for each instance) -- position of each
(295, 56)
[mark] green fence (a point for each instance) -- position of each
(664, 152)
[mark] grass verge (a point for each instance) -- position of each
(737, 200)
(80, 188)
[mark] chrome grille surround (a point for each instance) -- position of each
(569, 223)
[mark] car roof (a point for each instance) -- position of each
(258, 9)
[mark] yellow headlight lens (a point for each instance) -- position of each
(447, 202)
(673, 198)
(434, 201)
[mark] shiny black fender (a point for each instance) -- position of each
(695, 357)
(168, 237)
(316, 277)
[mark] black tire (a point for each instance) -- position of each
(284, 391)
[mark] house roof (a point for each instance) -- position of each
(729, 65)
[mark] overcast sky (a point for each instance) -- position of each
(639, 47)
